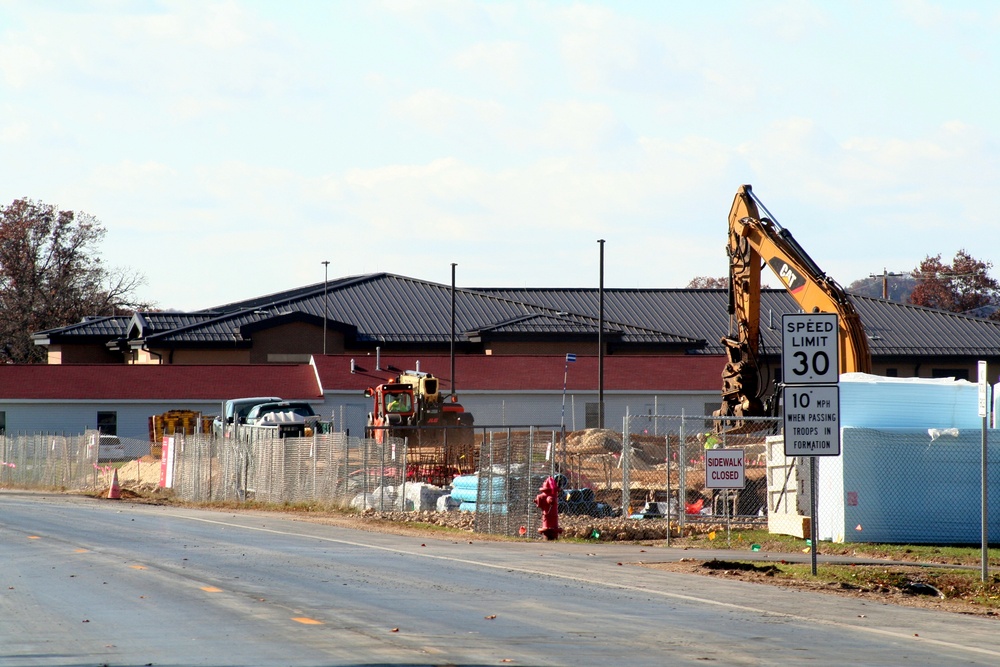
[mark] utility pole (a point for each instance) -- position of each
(885, 280)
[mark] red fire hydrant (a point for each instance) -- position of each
(548, 501)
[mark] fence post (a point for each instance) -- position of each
(666, 466)
(527, 482)
(211, 451)
(402, 484)
(381, 478)
(347, 466)
(314, 450)
(507, 485)
(656, 413)
(682, 476)
(626, 462)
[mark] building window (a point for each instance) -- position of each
(709, 409)
(593, 415)
(957, 373)
(107, 423)
(3, 422)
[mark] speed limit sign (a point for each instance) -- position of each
(809, 353)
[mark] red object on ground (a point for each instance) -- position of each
(695, 507)
(548, 501)
(115, 492)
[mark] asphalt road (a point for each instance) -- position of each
(99, 582)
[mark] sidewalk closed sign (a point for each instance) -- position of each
(724, 469)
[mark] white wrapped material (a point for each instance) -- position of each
(423, 497)
(872, 401)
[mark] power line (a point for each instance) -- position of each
(885, 280)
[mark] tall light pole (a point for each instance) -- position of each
(326, 308)
(452, 351)
(600, 345)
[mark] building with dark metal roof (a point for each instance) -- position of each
(393, 313)
(662, 350)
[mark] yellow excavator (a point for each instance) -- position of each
(753, 242)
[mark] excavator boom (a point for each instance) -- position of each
(755, 241)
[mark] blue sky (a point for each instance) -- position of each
(229, 148)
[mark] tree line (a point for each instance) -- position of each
(962, 286)
(52, 275)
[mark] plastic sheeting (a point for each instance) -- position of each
(872, 401)
(908, 487)
(465, 488)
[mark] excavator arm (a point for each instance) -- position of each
(755, 241)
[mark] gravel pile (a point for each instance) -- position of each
(611, 529)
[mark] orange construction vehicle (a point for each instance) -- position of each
(439, 433)
(754, 241)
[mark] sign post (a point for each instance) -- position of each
(983, 412)
(810, 371)
(570, 358)
(725, 469)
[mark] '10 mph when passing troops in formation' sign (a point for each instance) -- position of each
(810, 367)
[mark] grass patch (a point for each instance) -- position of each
(966, 555)
(941, 583)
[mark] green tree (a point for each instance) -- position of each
(964, 286)
(51, 275)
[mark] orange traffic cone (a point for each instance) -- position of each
(115, 492)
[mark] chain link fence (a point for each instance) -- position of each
(888, 485)
(53, 461)
(512, 464)
(655, 467)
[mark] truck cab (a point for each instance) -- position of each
(235, 411)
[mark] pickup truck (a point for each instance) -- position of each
(291, 418)
(235, 411)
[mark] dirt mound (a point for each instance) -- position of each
(140, 472)
(593, 441)
(126, 494)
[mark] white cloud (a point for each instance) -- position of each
(789, 20)
(501, 62)
(15, 133)
(601, 49)
(189, 107)
(505, 136)
(576, 126)
(23, 62)
(438, 111)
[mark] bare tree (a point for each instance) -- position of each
(51, 275)
(708, 282)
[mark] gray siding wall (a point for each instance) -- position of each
(543, 408)
(77, 417)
